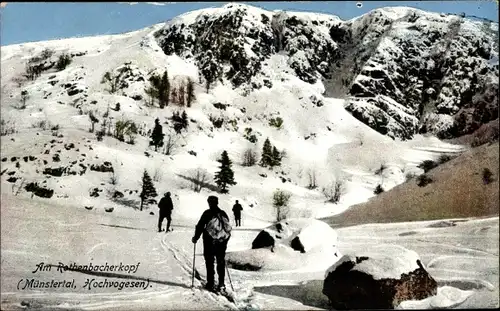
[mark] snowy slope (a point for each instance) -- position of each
(463, 258)
(319, 137)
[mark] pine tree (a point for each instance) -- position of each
(159, 89)
(267, 154)
(177, 122)
(225, 176)
(190, 92)
(184, 118)
(157, 135)
(165, 90)
(148, 189)
(276, 157)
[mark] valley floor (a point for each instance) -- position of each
(462, 255)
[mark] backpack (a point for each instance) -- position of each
(219, 228)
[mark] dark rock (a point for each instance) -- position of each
(4, 159)
(12, 179)
(264, 175)
(191, 152)
(56, 158)
(94, 192)
(118, 195)
(348, 288)
(296, 244)
(263, 240)
(39, 191)
(220, 106)
(151, 213)
(57, 172)
(105, 167)
(74, 91)
(69, 146)
(32, 158)
(13, 159)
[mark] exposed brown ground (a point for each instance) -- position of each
(486, 133)
(457, 191)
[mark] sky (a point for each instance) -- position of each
(39, 21)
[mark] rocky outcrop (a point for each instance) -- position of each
(402, 71)
(38, 190)
(380, 280)
(233, 41)
(429, 67)
(264, 239)
(297, 233)
(105, 167)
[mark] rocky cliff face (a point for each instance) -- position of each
(232, 42)
(402, 71)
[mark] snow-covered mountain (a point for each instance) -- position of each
(404, 71)
(340, 100)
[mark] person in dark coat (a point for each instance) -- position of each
(237, 213)
(212, 249)
(166, 206)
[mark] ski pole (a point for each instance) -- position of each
(229, 276)
(194, 260)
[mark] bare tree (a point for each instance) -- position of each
(280, 203)
(198, 178)
(311, 175)
(18, 188)
(334, 191)
(113, 179)
(157, 174)
(112, 80)
(93, 121)
(169, 143)
(360, 137)
(249, 157)
(7, 127)
(24, 98)
(181, 95)
(379, 171)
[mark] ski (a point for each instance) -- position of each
(226, 294)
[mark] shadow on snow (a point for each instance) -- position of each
(309, 293)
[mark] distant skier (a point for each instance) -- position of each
(214, 224)
(237, 213)
(157, 135)
(166, 206)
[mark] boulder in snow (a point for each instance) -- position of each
(301, 234)
(264, 239)
(381, 279)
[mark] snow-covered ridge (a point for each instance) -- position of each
(388, 51)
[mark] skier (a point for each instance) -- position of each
(237, 213)
(214, 224)
(166, 206)
(157, 135)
